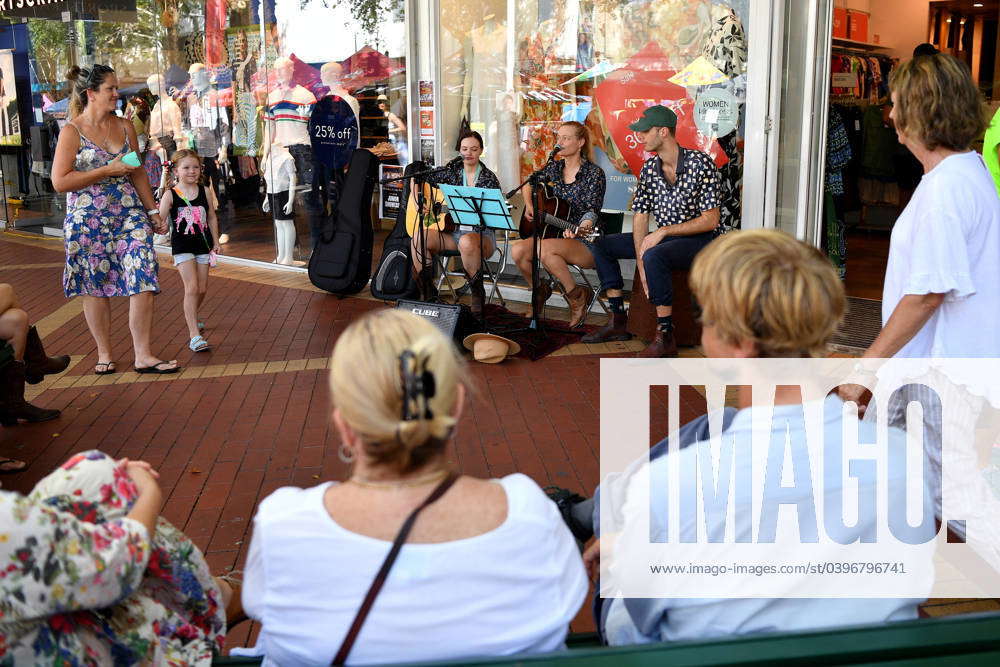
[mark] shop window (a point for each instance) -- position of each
(262, 90)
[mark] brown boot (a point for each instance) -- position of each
(578, 299)
(614, 330)
(663, 345)
(478, 293)
(37, 363)
(542, 295)
(13, 407)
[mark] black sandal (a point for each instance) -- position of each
(109, 368)
(155, 369)
(12, 471)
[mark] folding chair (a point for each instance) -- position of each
(491, 276)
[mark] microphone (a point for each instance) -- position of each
(454, 162)
(552, 155)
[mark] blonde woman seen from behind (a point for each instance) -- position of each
(488, 569)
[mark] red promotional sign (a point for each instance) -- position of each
(642, 83)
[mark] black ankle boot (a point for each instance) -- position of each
(13, 407)
(478, 293)
(37, 363)
(425, 282)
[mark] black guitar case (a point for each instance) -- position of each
(341, 262)
(393, 279)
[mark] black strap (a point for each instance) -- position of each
(383, 573)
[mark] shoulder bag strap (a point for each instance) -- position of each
(383, 573)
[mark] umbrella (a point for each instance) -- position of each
(600, 69)
(700, 72)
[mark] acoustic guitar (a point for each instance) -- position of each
(435, 214)
(552, 215)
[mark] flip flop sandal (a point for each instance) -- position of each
(156, 370)
(199, 344)
(109, 368)
(12, 471)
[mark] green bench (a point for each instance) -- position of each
(972, 639)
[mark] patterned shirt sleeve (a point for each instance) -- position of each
(487, 179)
(643, 201)
(51, 562)
(596, 186)
(710, 193)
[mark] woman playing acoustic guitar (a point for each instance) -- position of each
(577, 181)
(470, 172)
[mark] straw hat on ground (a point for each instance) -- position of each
(490, 348)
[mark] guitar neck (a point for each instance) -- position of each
(559, 222)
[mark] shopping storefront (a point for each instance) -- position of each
(749, 80)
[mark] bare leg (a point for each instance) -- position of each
(14, 330)
(523, 252)
(140, 321)
(435, 241)
(558, 254)
(202, 283)
(468, 245)
(8, 299)
(97, 311)
(189, 274)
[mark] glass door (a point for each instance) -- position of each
(797, 117)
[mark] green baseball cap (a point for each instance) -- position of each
(655, 116)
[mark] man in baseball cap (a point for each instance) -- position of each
(680, 187)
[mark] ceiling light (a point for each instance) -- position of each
(977, 4)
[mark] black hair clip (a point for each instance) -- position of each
(418, 383)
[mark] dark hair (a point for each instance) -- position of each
(470, 133)
(81, 80)
(924, 49)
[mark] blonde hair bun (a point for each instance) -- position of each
(371, 394)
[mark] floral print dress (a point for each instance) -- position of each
(108, 238)
(80, 584)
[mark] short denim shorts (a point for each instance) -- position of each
(187, 256)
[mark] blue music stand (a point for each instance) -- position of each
(482, 208)
(478, 207)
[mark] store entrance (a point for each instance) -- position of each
(870, 176)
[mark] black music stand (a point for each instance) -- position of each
(535, 325)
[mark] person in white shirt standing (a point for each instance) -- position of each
(941, 297)
(488, 569)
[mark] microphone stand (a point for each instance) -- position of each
(535, 324)
(419, 179)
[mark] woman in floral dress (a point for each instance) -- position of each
(109, 249)
(82, 584)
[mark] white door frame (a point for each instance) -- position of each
(764, 108)
(760, 140)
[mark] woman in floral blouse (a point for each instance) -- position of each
(81, 582)
(578, 181)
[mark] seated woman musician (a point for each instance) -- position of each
(577, 181)
(468, 171)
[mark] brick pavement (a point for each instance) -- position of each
(252, 415)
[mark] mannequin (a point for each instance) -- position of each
(288, 109)
(165, 129)
(289, 106)
(278, 171)
(209, 124)
(331, 74)
(335, 134)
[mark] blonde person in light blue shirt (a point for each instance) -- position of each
(763, 294)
